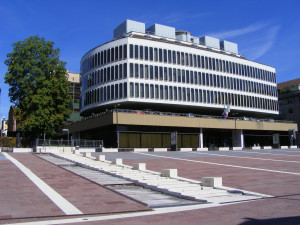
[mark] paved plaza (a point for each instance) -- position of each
(36, 191)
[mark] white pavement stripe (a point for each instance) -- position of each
(157, 211)
(67, 207)
(220, 164)
(245, 157)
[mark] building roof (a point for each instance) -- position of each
(288, 83)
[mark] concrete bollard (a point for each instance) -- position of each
(169, 173)
(139, 166)
(100, 157)
(117, 161)
(211, 181)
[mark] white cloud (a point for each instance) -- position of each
(241, 31)
(263, 44)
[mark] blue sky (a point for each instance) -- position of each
(266, 31)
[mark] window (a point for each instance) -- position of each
(142, 90)
(136, 94)
(146, 53)
(161, 91)
(141, 71)
(165, 56)
(146, 72)
(151, 91)
(151, 53)
(141, 52)
(131, 90)
(175, 93)
(147, 90)
(156, 72)
(160, 55)
(136, 51)
(136, 70)
(131, 69)
(124, 71)
(155, 54)
(125, 52)
(156, 92)
(131, 51)
(125, 90)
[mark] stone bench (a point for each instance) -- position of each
(223, 148)
(201, 149)
(110, 150)
(140, 149)
(294, 146)
(237, 148)
(267, 147)
(160, 149)
(284, 147)
(185, 149)
(255, 147)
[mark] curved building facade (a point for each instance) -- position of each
(142, 70)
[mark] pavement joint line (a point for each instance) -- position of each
(67, 207)
(227, 165)
(155, 211)
(245, 157)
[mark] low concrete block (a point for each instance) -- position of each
(201, 149)
(267, 147)
(293, 146)
(100, 157)
(22, 150)
(223, 148)
(255, 147)
(169, 173)
(139, 166)
(237, 148)
(140, 149)
(160, 149)
(117, 161)
(185, 149)
(110, 150)
(284, 147)
(211, 181)
(86, 154)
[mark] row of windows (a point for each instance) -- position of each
(106, 56)
(204, 62)
(193, 77)
(162, 92)
(175, 75)
(108, 74)
(106, 93)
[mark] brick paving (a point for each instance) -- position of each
(284, 208)
(24, 199)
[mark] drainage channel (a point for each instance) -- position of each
(151, 198)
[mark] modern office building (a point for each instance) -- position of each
(74, 91)
(289, 100)
(169, 80)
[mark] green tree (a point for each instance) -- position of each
(38, 87)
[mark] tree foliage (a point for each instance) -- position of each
(38, 87)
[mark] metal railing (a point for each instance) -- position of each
(181, 114)
(72, 143)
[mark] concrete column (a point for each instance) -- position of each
(238, 138)
(200, 145)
